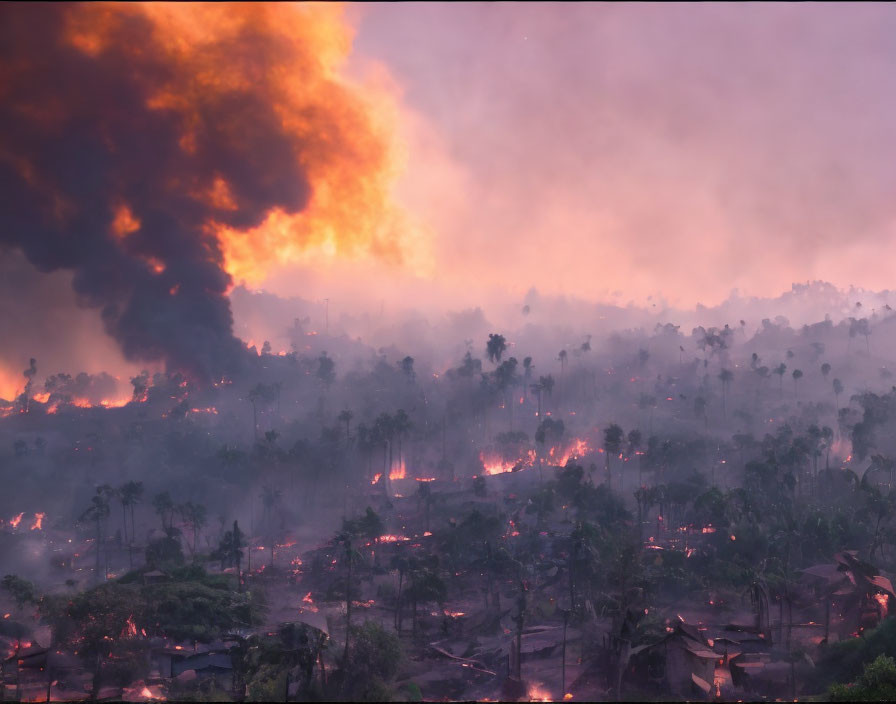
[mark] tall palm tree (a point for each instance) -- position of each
(350, 556)
(613, 438)
(506, 380)
(527, 375)
(401, 424)
(346, 417)
(164, 506)
(780, 370)
(797, 375)
(129, 494)
(98, 512)
(495, 347)
(725, 376)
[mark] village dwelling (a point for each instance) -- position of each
(682, 662)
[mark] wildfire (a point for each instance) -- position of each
(307, 598)
(399, 472)
(15, 520)
(130, 627)
(537, 693)
(498, 465)
(344, 134)
(38, 521)
(389, 538)
(376, 478)
(578, 449)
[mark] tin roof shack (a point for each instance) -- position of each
(681, 663)
(856, 596)
(216, 666)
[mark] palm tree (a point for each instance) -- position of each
(613, 437)
(350, 555)
(725, 376)
(346, 417)
(164, 506)
(401, 424)
(98, 512)
(506, 379)
(231, 551)
(129, 494)
(400, 563)
(495, 347)
(547, 384)
(326, 370)
(527, 374)
(780, 370)
(838, 389)
(407, 368)
(797, 375)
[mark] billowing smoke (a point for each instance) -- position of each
(135, 138)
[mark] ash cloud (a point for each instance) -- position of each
(106, 174)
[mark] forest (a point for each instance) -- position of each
(651, 513)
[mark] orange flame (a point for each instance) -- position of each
(578, 449)
(344, 131)
(399, 472)
(38, 521)
(498, 465)
(130, 627)
(14, 522)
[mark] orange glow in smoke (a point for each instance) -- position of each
(344, 134)
(14, 522)
(38, 521)
(399, 472)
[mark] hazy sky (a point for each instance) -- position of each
(614, 151)
(607, 152)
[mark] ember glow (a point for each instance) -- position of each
(38, 521)
(399, 471)
(497, 465)
(575, 451)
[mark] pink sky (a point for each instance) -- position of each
(617, 151)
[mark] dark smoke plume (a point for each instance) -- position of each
(115, 159)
